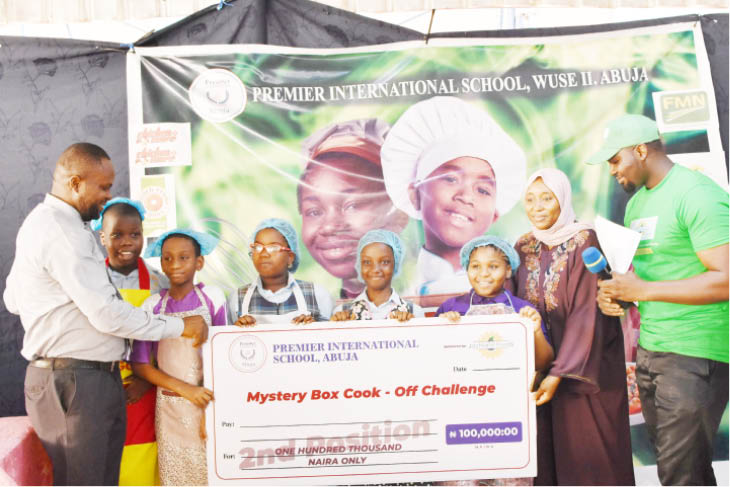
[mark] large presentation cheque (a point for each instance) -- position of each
(371, 402)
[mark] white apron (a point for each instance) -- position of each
(275, 319)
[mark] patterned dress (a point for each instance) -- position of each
(583, 433)
(364, 309)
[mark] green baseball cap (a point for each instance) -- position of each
(625, 131)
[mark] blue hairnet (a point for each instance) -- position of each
(386, 237)
(207, 242)
(287, 231)
(137, 205)
(487, 240)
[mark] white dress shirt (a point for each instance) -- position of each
(436, 275)
(382, 312)
(60, 288)
(324, 300)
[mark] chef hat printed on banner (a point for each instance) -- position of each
(440, 129)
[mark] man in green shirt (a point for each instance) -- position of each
(680, 281)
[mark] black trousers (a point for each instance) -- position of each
(682, 399)
(81, 419)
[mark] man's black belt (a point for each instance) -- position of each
(73, 363)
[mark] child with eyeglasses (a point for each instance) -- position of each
(275, 296)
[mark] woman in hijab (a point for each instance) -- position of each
(583, 423)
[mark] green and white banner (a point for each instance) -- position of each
(433, 141)
(250, 132)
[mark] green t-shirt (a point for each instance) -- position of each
(685, 213)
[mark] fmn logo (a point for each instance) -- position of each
(678, 110)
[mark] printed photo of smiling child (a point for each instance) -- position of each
(341, 196)
(447, 163)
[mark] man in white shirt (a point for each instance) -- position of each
(76, 324)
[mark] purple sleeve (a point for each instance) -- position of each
(158, 306)
(219, 318)
(142, 351)
(453, 304)
(520, 303)
(445, 306)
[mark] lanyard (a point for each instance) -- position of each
(143, 273)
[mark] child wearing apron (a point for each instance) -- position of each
(489, 261)
(120, 230)
(275, 296)
(379, 259)
(178, 374)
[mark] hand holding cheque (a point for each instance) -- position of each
(447, 395)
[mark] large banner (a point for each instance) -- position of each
(433, 141)
(343, 141)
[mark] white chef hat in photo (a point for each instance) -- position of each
(440, 129)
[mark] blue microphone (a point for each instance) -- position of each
(596, 263)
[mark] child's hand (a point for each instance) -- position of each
(547, 389)
(401, 316)
(198, 395)
(303, 319)
(201, 430)
(452, 316)
(532, 314)
(135, 388)
(342, 316)
(245, 320)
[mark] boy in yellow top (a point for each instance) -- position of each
(120, 226)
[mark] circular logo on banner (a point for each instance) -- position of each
(154, 201)
(247, 353)
(217, 95)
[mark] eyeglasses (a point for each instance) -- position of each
(257, 248)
